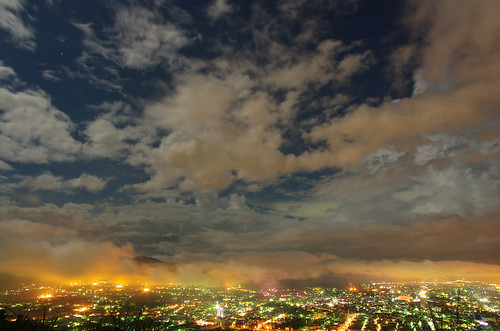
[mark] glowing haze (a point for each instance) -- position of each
(251, 142)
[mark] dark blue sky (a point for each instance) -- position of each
(234, 140)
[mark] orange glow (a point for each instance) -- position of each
(45, 296)
(82, 309)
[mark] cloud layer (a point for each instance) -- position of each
(236, 142)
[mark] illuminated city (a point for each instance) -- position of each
(458, 305)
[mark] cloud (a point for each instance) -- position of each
(455, 190)
(403, 60)
(460, 38)
(11, 20)
(104, 139)
(7, 73)
(454, 88)
(223, 126)
(216, 115)
(47, 253)
(224, 123)
(413, 193)
(32, 130)
(140, 38)
(318, 68)
(51, 75)
(218, 133)
(44, 252)
(118, 134)
(309, 209)
(5, 166)
(48, 181)
(145, 39)
(218, 8)
(382, 157)
(220, 240)
(441, 146)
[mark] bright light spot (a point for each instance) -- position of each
(45, 296)
(146, 289)
(423, 294)
(119, 286)
(204, 323)
(82, 309)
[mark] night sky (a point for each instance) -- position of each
(249, 142)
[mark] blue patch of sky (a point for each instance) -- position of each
(294, 143)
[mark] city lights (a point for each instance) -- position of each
(375, 306)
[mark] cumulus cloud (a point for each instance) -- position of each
(11, 20)
(211, 142)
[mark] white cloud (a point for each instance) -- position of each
(104, 139)
(88, 182)
(10, 20)
(7, 73)
(32, 130)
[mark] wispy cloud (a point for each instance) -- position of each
(140, 38)
(12, 20)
